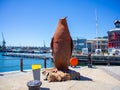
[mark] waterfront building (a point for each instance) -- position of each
(78, 44)
(114, 36)
(97, 43)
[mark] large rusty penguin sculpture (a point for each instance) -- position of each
(62, 45)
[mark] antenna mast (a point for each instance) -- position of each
(96, 20)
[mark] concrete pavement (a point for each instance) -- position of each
(91, 79)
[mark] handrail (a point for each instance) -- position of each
(21, 63)
(88, 59)
(9, 58)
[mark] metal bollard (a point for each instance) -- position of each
(44, 62)
(36, 71)
(108, 61)
(34, 85)
(89, 61)
(21, 65)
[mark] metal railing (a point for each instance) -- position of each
(115, 60)
(88, 59)
(21, 65)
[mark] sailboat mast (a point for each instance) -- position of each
(3, 39)
(3, 43)
(44, 44)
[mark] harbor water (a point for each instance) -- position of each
(8, 63)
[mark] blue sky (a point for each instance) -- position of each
(31, 22)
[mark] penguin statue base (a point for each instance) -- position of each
(54, 75)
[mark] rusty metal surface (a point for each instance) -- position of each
(61, 45)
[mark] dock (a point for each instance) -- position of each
(102, 60)
(28, 55)
(115, 60)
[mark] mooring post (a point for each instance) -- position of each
(108, 61)
(45, 62)
(21, 65)
(89, 61)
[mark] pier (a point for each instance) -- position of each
(101, 60)
(23, 61)
(28, 55)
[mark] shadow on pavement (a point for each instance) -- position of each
(83, 78)
(43, 88)
(1, 74)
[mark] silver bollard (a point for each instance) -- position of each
(36, 71)
(36, 74)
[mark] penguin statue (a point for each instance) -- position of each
(61, 46)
